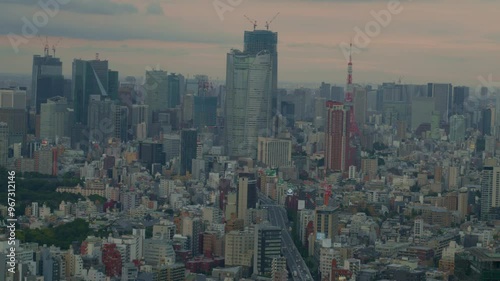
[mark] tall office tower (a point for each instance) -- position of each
(435, 125)
(360, 103)
(156, 86)
(442, 95)
(119, 119)
(267, 246)
(90, 78)
(265, 40)
(55, 119)
(337, 93)
(139, 114)
(457, 128)
(288, 111)
(246, 195)
(113, 85)
(248, 101)
(4, 143)
(320, 110)
(490, 190)
(47, 80)
(336, 136)
(274, 153)
(150, 153)
(460, 96)
(99, 119)
(205, 111)
(325, 91)
(279, 272)
(174, 90)
(14, 98)
(13, 112)
(326, 222)
(189, 143)
(487, 119)
(171, 146)
(187, 110)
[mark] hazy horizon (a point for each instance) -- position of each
(456, 43)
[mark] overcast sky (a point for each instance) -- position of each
(451, 41)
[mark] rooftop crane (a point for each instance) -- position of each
(54, 47)
(269, 22)
(254, 22)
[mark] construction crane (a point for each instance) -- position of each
(54, 47)
(45, 45)
(269, 22)
(254, 22)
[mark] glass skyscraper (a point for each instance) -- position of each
(248, 101)
(47, 79)
(91, 78)
(265, 40)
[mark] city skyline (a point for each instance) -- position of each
(181, 39)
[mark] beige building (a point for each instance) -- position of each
(239, 248)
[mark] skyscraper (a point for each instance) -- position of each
(457, 128)
(460, 95)
(248, 101)
(265, 40)
(337, 136)
(490, 190)
(47, 79)
(55, 118)
(90, 78)
(156, 90)
(189, 143)
(442, 95)
(174, 90)
(205, 111)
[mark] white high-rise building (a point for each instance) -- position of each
(54, 118)
(457, 128)
(248, 101)
(490, 190)
(35, 210)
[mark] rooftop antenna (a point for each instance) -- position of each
(269, 22)
(254, 22)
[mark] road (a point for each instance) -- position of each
(277, 216)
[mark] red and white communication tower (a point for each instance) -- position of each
(353, 130)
